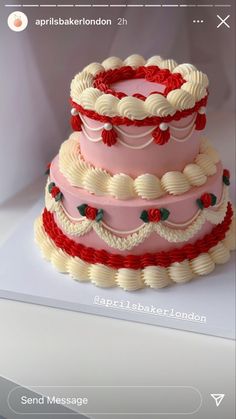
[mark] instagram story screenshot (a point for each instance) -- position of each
(117, 224)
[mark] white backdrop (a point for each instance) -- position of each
(38, 64)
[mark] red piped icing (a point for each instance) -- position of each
(154, 215)
(161, 137)
(206, 199)
(91, 213)
(226, 173)
(76, 123)
(105, 79)
(164, 259)
(200, 122)
(54, 191)
(139, 96)
(109, 137)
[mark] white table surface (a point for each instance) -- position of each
(47, 346)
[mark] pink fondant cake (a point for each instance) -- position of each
(137, 196)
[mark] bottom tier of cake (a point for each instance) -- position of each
(132, 272)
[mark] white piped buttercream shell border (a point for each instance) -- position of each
(90, 98)
(130, 279)
(80, 173)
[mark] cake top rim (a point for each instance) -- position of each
(185, 88)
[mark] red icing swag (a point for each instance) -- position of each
(200, 122)
(161, 136)
(109, 135)
(76, 123)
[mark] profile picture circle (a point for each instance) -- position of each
(17, 21)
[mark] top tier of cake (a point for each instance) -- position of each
(137, 116)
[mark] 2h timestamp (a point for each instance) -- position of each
(121, 21)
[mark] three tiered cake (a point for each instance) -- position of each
(137, 196)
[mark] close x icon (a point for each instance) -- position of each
(223, 21)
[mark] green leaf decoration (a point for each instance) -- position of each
(50, 186)
(59, 197)
(213, 199)
(100, 214)
(164, 213)
(226, 180)
(81, 209)
(199, 203)
(144, 216)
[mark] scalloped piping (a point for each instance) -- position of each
(143, 134)
(80, 173)
(130, 279)
(132, 239)
(190, 127)
(83, 93)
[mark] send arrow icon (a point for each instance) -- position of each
(218, 398)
